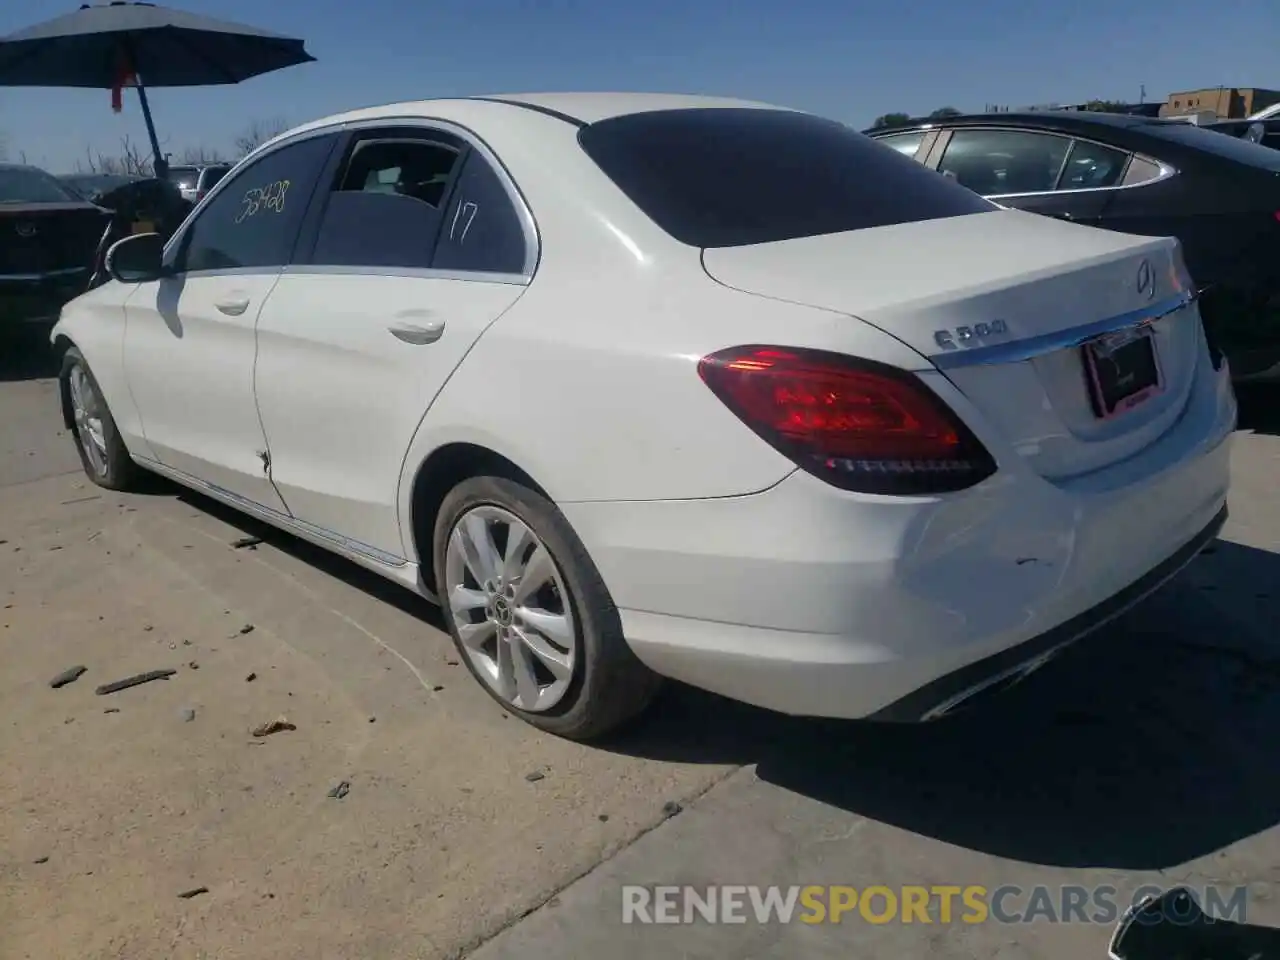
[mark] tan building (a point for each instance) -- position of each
(1229, 103)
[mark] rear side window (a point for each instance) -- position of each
(730, 177)
(387, 207)
(482, 231)
(1091, 166)
(997, 162)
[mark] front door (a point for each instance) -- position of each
(190, 338)
(419, 249)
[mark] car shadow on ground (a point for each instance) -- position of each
(1147, 745)
(1259, 407)
(323, 560)
(26, 355)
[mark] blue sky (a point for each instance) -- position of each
(846, 59)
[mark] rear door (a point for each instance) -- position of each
(417, 248)
(1034, 170)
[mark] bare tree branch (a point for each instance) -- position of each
(259, 132)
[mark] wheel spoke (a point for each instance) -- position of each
(474, 635)
(537, 572)
(526, 679)
(556, 661)
(554, 626)
(506, 680)
(518, 540)
(464, 600)
(483, 555)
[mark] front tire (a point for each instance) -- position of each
(103, 454)
(530, 615)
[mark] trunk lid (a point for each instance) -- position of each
(43, 238)
(1025, 289)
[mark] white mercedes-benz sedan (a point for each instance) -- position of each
(661, 386)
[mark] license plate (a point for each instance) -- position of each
(143, 226)
(1121, 370)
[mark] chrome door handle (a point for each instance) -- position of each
(233, 307)
(424, 333)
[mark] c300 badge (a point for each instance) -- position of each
(959, 337)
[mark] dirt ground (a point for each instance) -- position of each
(457, 819)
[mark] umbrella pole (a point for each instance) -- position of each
(158, 164)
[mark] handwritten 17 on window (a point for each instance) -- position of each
(269, 198)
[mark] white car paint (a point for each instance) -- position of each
(731, 568)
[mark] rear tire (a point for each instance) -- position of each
(530, 615)
(103, 454)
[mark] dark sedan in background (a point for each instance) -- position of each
(47, 240)
(1219, 195)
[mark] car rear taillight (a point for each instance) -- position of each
(857, 424)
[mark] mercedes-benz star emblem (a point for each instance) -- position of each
(25, 229)
(1146, 280)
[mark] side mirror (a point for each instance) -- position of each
(137, 259)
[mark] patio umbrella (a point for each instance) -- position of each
(114, 45)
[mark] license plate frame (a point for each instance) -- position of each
(1112, 360)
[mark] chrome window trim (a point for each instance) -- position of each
(228, 272)
(418, 273)
(528, 225)
(1038, 346)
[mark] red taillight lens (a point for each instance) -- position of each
(857, 424)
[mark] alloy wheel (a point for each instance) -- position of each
(86, 411)
(510, 608)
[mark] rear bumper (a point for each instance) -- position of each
(38, 298)
(937, 697)
(812, 601)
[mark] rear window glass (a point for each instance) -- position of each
(1211, 141)
(730, 177)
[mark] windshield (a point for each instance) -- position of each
(29, 185)
(729, 177)
(1220, 144)
(184, 177)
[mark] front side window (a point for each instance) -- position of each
(993, 162)
(482, 231)
(905, 143)
(254, 220)
(386, 208)
(1091, 165)
(724, 177)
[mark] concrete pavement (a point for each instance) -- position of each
(1145, 755)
